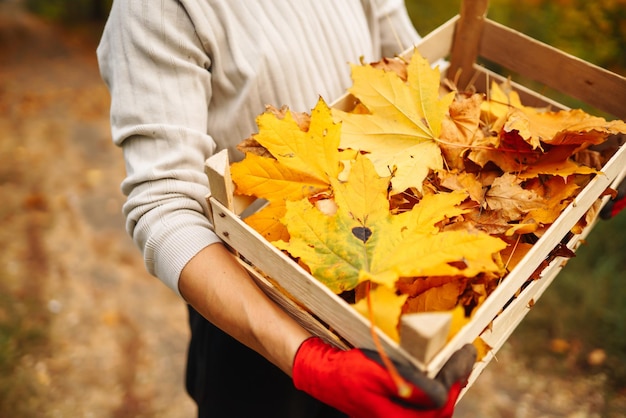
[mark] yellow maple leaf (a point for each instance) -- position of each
(403, 124)
(363, 241)
(386, 309)
(303, 162)
(313, 151)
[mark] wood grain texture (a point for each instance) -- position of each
(556, 69)
(467, 37)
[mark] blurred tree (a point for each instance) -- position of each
(427, 14)
(594, 31)
(71, 11)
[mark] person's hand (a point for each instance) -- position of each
(356, 383)
(615, 205)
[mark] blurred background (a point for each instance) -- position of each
(85, 332)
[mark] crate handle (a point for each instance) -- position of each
(466, 42)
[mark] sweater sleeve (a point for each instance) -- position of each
(160, 87)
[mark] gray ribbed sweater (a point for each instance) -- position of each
(188, 78)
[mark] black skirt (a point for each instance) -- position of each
(228, 380)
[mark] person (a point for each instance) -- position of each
(187, 79)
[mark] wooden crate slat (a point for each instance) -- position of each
(464, 49)
(438, 43)
(563, 72)
(506, 322)
(293, 308)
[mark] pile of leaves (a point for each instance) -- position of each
(417, 198)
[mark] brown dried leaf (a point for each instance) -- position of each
(510, 199)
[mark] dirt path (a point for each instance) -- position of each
(93, 334)
(116, 337)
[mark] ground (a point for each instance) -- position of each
(94, 334)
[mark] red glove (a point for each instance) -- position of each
(614, 206)
(356, 383)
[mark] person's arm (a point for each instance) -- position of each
(222, 291)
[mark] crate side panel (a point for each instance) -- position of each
(437, 44)
(292, 307)
(484, 79)
(554, 68)
(506, 322)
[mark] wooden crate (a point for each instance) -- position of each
(424, 335)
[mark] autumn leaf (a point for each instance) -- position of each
(414, 286)
(488, 221)
(556, 193)
(437, 299)
(459, 320)
(468, 182)
(505, 112)
(563, 169)
(337, 248)
(514, 254)
(507, 196)
(460, 129)
(540, 126)
(386, 309)
(303, 162)
(252, 146)
(574, 127)
(363, 241)
(403, 124)
(482, 348)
